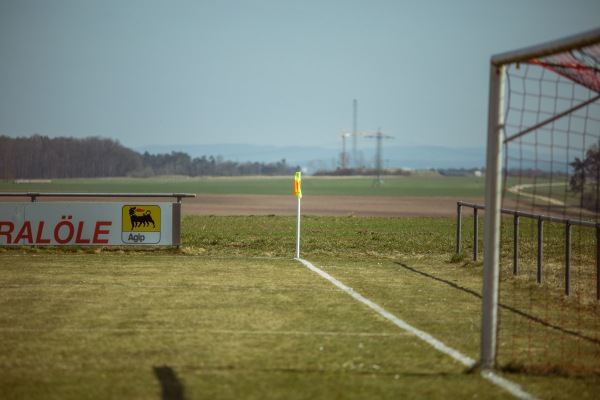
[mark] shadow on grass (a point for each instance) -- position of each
(172, 389)
(505, 307)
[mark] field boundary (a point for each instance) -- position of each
(497, 380)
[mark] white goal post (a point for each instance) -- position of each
(494, 164)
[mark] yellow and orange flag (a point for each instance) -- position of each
(297, 185)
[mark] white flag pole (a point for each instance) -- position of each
(298, 193)
(298, 231)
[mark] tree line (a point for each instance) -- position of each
(585, 180)
(41, 157)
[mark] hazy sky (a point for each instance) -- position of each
(263, 71)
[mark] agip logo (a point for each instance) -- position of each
(140, 224)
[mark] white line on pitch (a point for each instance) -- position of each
(505, 384)
(201, 331)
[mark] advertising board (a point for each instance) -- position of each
(90, 224)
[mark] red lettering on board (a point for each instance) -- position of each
(78, 239)
(38, 238)
(25, 233)
(99, 231)
(68, 225)
(7, 232)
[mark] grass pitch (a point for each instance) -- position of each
(231, 315)
(113, 325)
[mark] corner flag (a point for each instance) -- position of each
(297, 185)
(298, 193)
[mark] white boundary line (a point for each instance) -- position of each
(505, 384)
(200, 331)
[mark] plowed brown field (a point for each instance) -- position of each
(364, 206)
(384, 206)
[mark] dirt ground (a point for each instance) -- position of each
(211, 204)
(384, 206)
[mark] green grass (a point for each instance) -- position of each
(230, 314)
(228, 328)
(346, 237)
(417, 185)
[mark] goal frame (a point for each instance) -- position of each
(493, 183)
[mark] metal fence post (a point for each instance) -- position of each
(568, 258)
(458, 226)
(475, 233)
(598, 261)
(516, 245)
(540, 254)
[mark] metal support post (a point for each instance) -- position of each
(516, 245)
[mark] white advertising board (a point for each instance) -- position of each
(89, 224)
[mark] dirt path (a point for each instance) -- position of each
(520, 190)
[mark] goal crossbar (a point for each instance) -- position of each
(547, 49)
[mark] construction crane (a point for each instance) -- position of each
(379, 136)
(354, 135)
(344, 155)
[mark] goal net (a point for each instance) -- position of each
(541, 305)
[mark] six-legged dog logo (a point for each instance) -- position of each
(140, 217)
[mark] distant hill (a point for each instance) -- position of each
(315, 158)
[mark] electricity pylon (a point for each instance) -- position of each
(378, 155)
